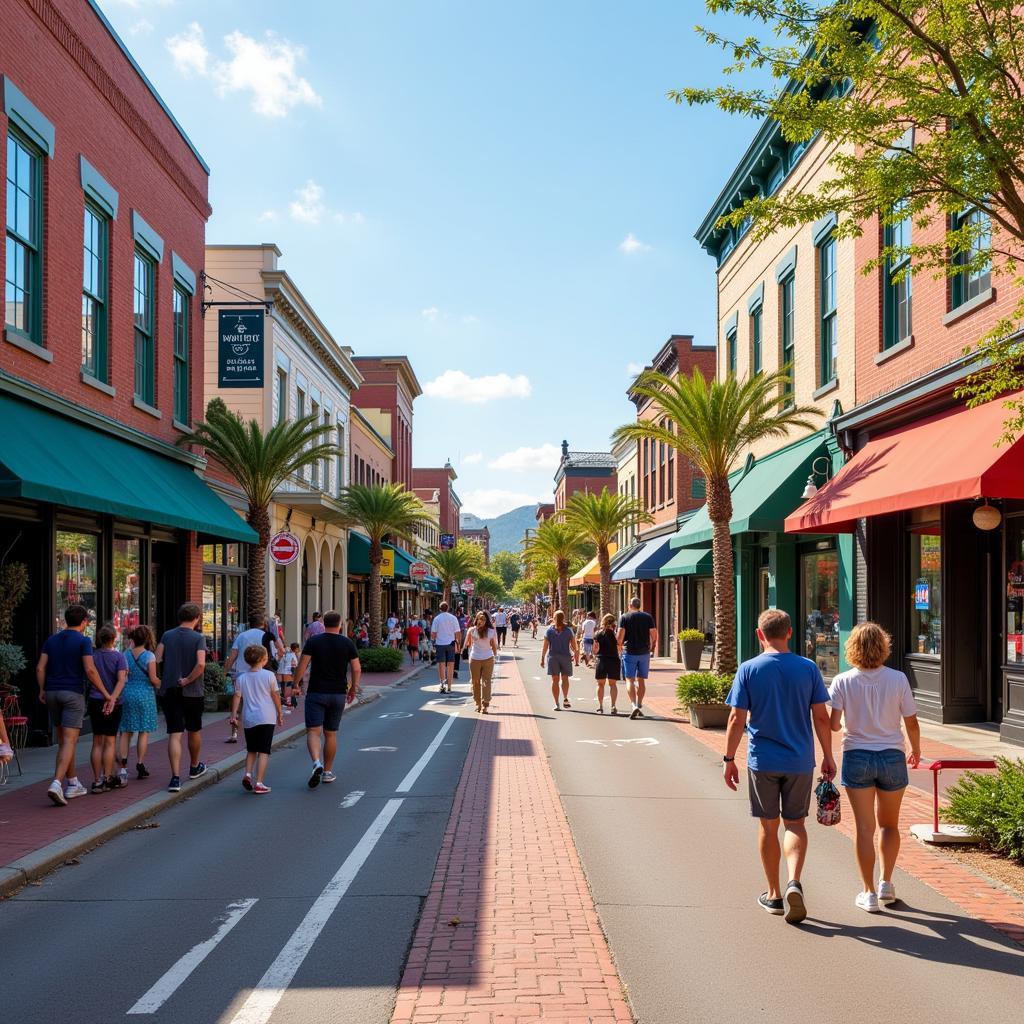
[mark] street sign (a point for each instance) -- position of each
(419, 570)
(240, 348)
(447, 541)
(284, 548)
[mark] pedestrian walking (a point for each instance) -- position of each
(255, 633)
(501, 626)
(870, 703)
(533, 625)
(587, 629)
(413, 632)
(315, 627)
(286, 674)
(481, 648)
(561, 651)
(139, 715)
(256, 694)
(608, 667)
(446, 636)
(515, 624)
(638, 636)
(463, 626)
(64, 665)
(775, 697)
(105, 708)
(331, 659)
(182, 653)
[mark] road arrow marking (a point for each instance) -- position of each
(353, 798)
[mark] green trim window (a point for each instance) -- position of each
(698, 485)
(314, 469)
(829, 322)
(181, 353)
(974, 279)
(898, 288)
(756, 339)
(142, 306)
(282, 394)
(787, 334)
(23, 285)
(95, 244)
(730, 351)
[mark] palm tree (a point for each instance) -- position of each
(559, 542)
(454, 564)
(712, 423)
(259, 463)
(600, 518)
(387, 510)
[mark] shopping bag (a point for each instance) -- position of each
(829, 809)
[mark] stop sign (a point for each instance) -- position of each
(284, 548)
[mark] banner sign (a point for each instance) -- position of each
(447, 541)
(922, 593)
(387, 562)
(468, 586)
(419, 570)
(240, 348)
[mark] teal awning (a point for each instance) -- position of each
(47, 457)
(689, 562)
(358, 554)
(764, 492)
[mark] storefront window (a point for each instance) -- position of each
(819, 572)
(77, 560)
(127, 598)
(223, 591)
(1014, 590)
(926, 591)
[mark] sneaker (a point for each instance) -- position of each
(142, 770)
(260, 788)
(197, 771)
(867, 901)
(316, 775)
(75, 789)
(442, 688)
(99, 786)
(796, 911)
(634, 714)
(247, 782)
(122, 777)
(558, 707)
(233, 738)
(175, 784)
(886, 892)
(328, 777)
(775, 907)
(56, 794)
(615, 710)
(640, 713)
(599, 711)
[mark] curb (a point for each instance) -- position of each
(38, 863)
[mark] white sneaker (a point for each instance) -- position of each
(886, 892)
(56, 793)
(867, 901)
(75, 789)
(122, 777)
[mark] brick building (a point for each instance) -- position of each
(100, 366)
(480, 536)
(427, 481)
(582, 471)
(385, 399)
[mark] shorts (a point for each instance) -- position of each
(324, 710)
(588, 646)
(515, 630)
(882, 769)
(502, 633)
(608, 668)
(183, 714)
(67, 708)
(259, 739)
(446, 652)
(104, 725)
(636, 666)
(559, 665)
(780, 794)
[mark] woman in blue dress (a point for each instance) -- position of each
(139, 714)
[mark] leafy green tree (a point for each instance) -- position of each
(260, 462)
(509, 566)
(712, 424)
(558, 543)
(455, 564)
(489, 584)
(922, 109)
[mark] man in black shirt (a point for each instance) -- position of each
(638, 637)
(329, 656)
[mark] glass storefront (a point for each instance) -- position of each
(127, 592)
(819, 587)
(925, 583)
(1014, 590)
(223, 597)
(77, 567)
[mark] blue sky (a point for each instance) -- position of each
(491, 189)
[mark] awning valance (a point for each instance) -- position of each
(688, 562)
(951, 456)
(358, 554)
(647, 562)
(590, 574)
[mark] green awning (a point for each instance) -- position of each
(47, 457)
(764, 492)
(402, 561)
(358, 554)
(689, 562)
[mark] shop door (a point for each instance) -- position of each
(165, 592)
(818, 632)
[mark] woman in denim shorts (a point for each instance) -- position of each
(870, 704)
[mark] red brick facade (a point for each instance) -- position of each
(389, 389)
(441, 479)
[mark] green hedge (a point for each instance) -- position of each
(381, 659)
(992, 807)
(702, 688)
(214, 678)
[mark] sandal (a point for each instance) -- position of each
(566, 704)
(600, 711)
(615, 710)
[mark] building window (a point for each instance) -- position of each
(787, 306)
(819, 585)
(94, 294)
(829, 317)
(145, 377)
(181, 328)
(671, 470)
(730, 352)
(314, 469)
(223, 597)
(325, 438)
(282, 395)
(898, 297)
(756, 325)
(698, 485)
(972, 281)
(643, 475)
(926, 589)
(341, 459)
(661, 472)
(24, 275)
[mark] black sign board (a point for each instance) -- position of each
(240, 348)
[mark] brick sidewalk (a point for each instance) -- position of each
(527, 945)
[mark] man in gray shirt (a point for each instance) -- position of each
(182, 652)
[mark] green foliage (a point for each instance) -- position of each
(509, 566)
(992, 807)
(380, 511)
(691, 634)
(455, 564)
(214, 677)
(12, 661)
(381, 659)
(13, 588)
(600, 517)
(489, 584)
(702, 688)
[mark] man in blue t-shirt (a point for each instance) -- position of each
(775, 697)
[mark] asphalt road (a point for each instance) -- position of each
(671, 858)
(242, 909)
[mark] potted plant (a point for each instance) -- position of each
(12, 661)
(214, 685)
(703, 695)
(692, 643)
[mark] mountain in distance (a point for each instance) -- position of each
(507, 530)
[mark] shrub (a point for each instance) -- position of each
(381, 659)
(691, 634)
(991, 807)
(214, 678)
(702, 688)
(12, 661)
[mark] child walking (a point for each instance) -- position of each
(105, 709)
(286, 675)
(256, 693)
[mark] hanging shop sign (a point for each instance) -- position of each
(468, 586)
(240, 348)
(419, 570)
(447, 541)
(284, 548)
(387, 562)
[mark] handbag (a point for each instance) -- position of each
(829, 810)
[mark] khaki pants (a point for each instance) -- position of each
(480, 672)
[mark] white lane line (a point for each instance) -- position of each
(178, 974)
(353, 798)
(377, 750)
(263, 999)
(414, 773)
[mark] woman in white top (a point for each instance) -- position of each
(482, 644)
(869, 704)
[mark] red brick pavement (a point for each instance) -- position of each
(528, 945)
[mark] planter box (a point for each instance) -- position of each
(692, 652)
(210, 701)
(709, 716)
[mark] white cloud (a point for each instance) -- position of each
(143, 27)
(493, 502)
(473, 458)
(456, 386)
(268, 215)
(267, 69)
(631, 245)
(431, 313)
(435, 315)
(546, 456)
(634, 369)
(308, 204)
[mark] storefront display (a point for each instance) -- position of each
(223, 597)
(77, 561)
(819, 571)
(127, 593)
(1014, 590)
(925, 587)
